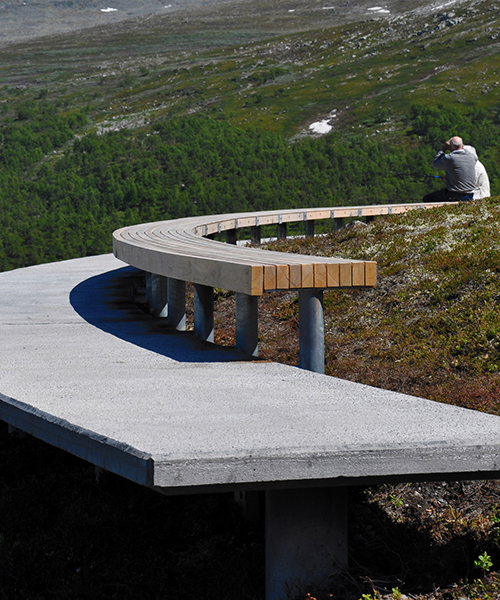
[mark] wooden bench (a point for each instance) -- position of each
(183, 250)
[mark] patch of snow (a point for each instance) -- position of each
(328, 7)
(320, 127)
(444, 5)
(379, 9)
(109, 9)
(292, 10)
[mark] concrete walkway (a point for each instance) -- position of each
(84, 369)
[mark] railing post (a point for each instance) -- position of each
(247, 324)
(311, 330)
(177, 304)
(204, 312)
(159, 295)
(306, 539)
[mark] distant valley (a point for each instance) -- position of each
(30, 19)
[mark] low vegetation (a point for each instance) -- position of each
(431, 327)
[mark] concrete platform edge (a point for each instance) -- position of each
(99, 450)
(335, 468)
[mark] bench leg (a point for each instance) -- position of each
(311, 330)
(338, 223)
(306, 539)
(147, 285)
(231, 236)
(177, 304)
(282, 231)
(158, 295)
(309, 228)
(204, 312)
(255, 234)
(247, 324)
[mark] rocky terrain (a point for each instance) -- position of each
(31, 19)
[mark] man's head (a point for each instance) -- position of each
(455, 143)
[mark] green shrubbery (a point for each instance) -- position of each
(64, 205)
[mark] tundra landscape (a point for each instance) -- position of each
(118, 114)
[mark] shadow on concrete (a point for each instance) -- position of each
(108, 301)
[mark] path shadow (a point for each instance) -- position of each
(107, 301)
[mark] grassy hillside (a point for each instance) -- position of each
(259, 67)
(431, 327)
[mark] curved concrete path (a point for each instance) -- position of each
(84, 369)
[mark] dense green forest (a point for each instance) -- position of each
(64, 190)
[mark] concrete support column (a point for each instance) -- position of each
(247, 324)
(177, 304)
(338, 223)
(306, 539)
(309, 226)
(255, 234)
(282, 231)
(158, 301)
(204, 312)
(311, 330)
(231, 236)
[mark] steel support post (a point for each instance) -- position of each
(247, 324)
(255, 234)
(311, 330)
(282, 231)
(231, 236)
(204, 312)
(158, 296)
(338, 223)
(306, 539)
(177, 304)
(149, 289)
(309, 226)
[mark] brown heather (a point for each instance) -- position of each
(431, 327)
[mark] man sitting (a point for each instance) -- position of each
(460, 168)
